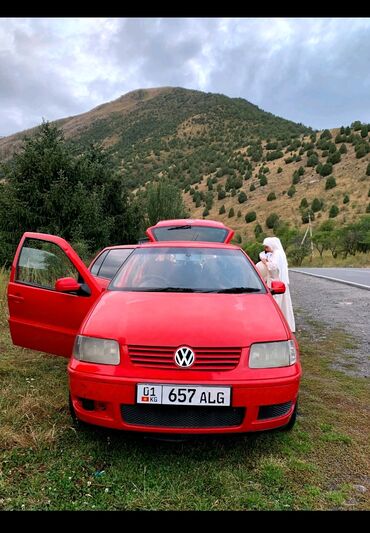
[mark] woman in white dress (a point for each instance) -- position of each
(277, 269)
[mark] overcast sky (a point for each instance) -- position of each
(314, 71)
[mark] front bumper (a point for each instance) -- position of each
(107, 397)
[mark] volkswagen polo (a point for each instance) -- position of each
(185, 338)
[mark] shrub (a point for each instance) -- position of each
(313, 160)
(291, 191)
(252, 187)
(271, 196)
(205, 212)
(295, 179)
(271, 156)
(272, 220)
(300, 171)
(279, 170)
(326, 169)
(316, 205)
(222, 210)
(250, 217)
(343, 149)
(239, 214)
(231, 212)
(364, 131)
(334, 158)
(330, 183)
(242, 197)
(346, 199)
(326, 134)
(303, 203)
(263, 180)
(334, 210)
(258, 230)
(221, 194)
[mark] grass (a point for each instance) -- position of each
(360, 260)
(45, 463)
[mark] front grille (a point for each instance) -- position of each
(172, 416)
(205, 358)
(273, 411)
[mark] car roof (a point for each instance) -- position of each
(188, 244)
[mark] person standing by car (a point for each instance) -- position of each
(277, 267)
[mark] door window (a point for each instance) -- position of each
(41, 263)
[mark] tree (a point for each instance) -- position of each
(49, 189)
(303, 203)
(316, 205)
(330, 183)
(222, 210)
(252, 187)
(334, 210)
(326, 134)
(263, 180)
(326, 169)
(164, 201)
(271, 196)
(343, 149)
(231, 212)
(364, 130)
(221, 194)
(250, 216)
(242, 197)
(291, 191)
(313, 160)
(272, 220)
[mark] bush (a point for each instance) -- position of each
(250, 217)
(272, 220)
(295, 179)
(334, 158)
(306, 215)
(271, 196)
(325, 169)
(303, 203)
(222, 210)
(316, 205)
(313, 160)
(252, 187)
(300, 171)
(271, 156)
(205, 212)
(346, 199)
(326, 134)
(242, 197)
(330, 183)
(361, 150)
(364, 131)
(231, 212)
(239, 214)
(279, 170)
(263, 180)
(291, 191)
(334, 210)
(258, 230)
(343, 149)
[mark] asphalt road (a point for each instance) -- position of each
(334, 305)
(360, 276)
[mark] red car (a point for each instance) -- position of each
(184, 338)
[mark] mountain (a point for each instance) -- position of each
(216, 148)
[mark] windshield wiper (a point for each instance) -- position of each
(179, 227)
(165, 289)
(237, 290)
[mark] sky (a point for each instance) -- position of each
(309, 70)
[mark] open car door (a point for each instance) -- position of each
(49, 294)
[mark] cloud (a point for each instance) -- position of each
(314, 71)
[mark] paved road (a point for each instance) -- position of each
(360, 276)
(335, 305)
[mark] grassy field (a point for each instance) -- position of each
(45, 463)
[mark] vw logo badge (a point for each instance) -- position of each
(184, 357)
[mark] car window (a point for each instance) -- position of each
(193, 269)
(190, 233)
(98, 262)
(41, 263)
(113, 261)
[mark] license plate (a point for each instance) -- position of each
(183, 395)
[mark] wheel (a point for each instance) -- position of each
(292, 420)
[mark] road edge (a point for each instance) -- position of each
(343, 281)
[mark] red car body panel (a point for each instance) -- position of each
(48, 321)
(190, 222)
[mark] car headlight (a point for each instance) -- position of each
(272, 354)
(94, 350)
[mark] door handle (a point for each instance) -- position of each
(16, 297)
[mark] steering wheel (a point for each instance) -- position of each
(158, 280)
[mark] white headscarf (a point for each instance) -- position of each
(279, 257)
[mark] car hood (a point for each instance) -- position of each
(194, 319)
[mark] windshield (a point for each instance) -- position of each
(190, 233)
(187, 270)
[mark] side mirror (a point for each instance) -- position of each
(277, 287)
(67, 285)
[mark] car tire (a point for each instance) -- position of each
(292, 419)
